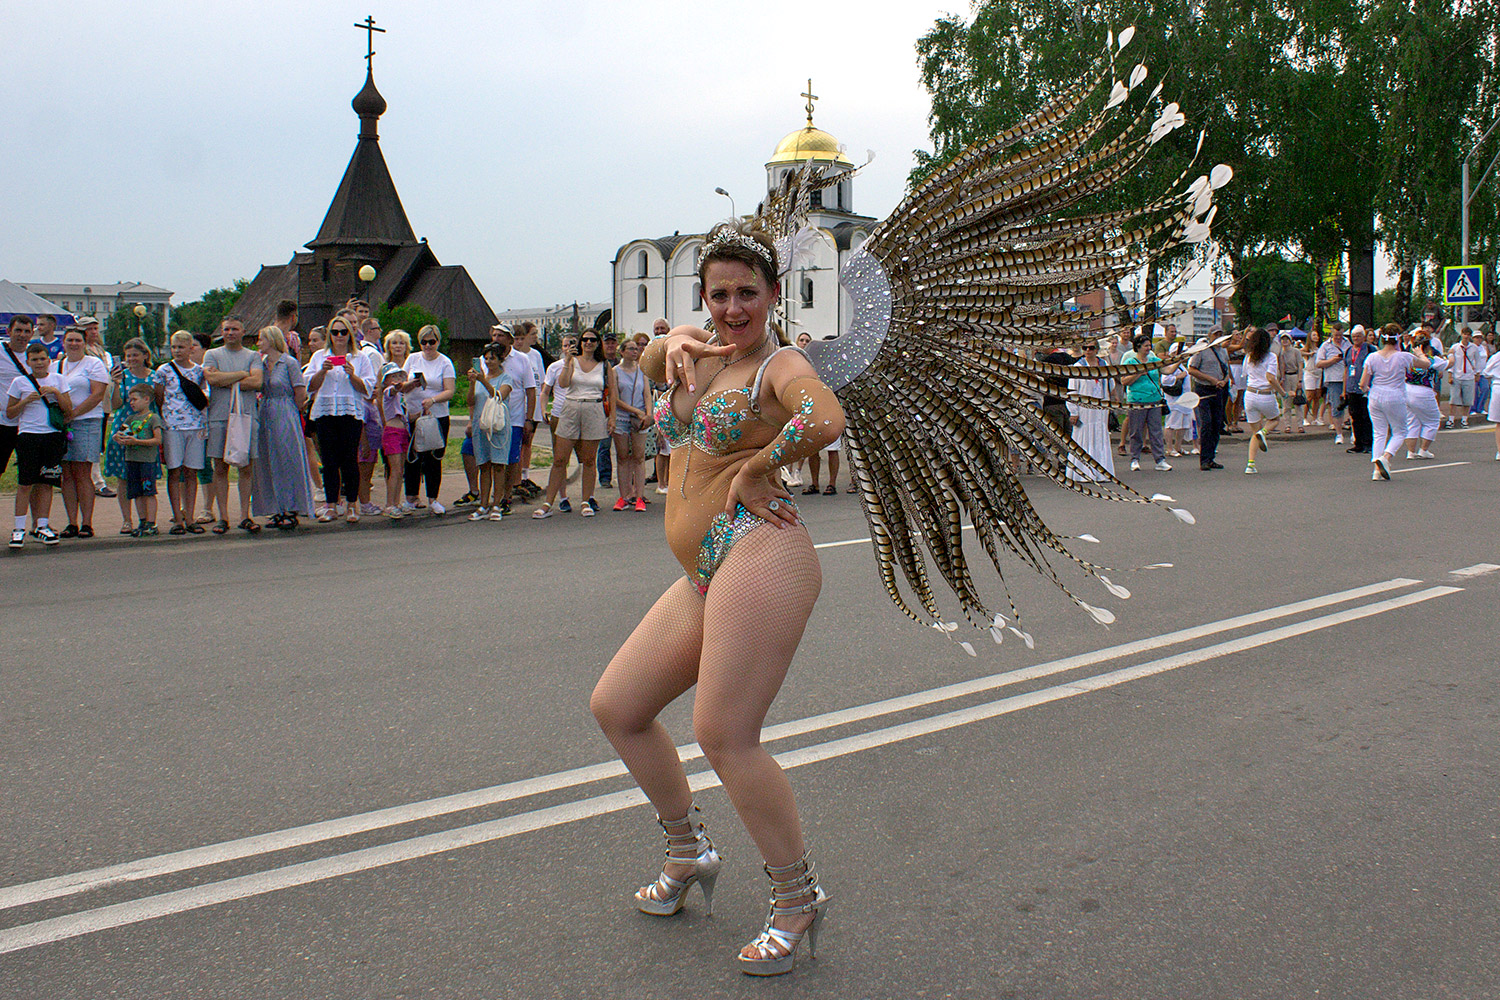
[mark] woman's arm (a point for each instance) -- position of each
(94, 398)
(449, 388)
(565, 375)
(816, 417)
(357, 381)
(670, 358)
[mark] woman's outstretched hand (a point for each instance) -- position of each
(763, 496)
(684, 352)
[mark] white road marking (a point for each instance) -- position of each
(333, 829)
(182, 900)
(1424, 468)
(1478, 569)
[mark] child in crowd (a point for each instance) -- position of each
(134, 370)
(490, 449)
(395, 435)
(185, 437)
(141, 439)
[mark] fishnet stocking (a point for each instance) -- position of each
(736, 643)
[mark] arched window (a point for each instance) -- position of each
(807, 293)
(641, 300)
(697, 297)
(641, 266)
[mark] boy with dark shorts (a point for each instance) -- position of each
(142, 439)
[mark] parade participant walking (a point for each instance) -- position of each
(88, 381)
(1384, 385)
(1090, 424)
(1261, 386)
(39, 444)
(1422, 414)
(131, 372)
(341, 379)
(1492, 372)
(739, 410)
(282, 486)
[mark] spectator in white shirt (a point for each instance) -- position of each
(1465, 362)
(88, 381)
(1332, 366)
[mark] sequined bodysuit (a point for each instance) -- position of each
(726, 427)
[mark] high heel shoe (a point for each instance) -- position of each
(665, 896)
(777, 948)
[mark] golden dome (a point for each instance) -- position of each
(809, 143)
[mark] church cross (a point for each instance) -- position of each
(368, 27)
(810, 98)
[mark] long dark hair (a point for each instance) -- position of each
(1257, 345)
(598, 343)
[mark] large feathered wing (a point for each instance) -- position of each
(953, 294)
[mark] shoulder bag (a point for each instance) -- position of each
(55, 415)
(191, 391)
(237, 432)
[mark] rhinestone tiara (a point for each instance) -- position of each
(728, 237)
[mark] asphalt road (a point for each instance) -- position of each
(1273, 776)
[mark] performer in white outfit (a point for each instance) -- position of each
(1090, 424)
(1492, 372)
(1422, 414)
(1261, 388)
(1384, 380)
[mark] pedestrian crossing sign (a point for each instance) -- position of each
(1463, 286)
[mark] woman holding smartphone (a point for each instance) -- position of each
(341, 379)
(431, 382)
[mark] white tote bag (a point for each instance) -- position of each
(238, 433)
(494, 416)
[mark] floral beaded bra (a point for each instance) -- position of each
(715, 424)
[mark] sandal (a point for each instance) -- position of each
(830, 490)
(774, 948)
(665, 896)
(71, 531)
(87, 531)
(178, 529)
(249, 525)
(127, 528)
(221, 527)
(288, 522)
(852, 489)
(812, 491)
(196, 529)
(545, 510)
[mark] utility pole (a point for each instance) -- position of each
(1468, 196)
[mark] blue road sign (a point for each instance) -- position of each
(1463, 286)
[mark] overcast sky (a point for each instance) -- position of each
(185, 145)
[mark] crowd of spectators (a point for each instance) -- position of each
(299, 425)
(1270, 379)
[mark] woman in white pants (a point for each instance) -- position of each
(1384, 381)
(1422, 415)
(1261, 387)
(1492, 372)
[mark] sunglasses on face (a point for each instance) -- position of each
(589, 340)
(429, 343)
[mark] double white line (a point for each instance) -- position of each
(179, 901)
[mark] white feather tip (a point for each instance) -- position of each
(1126, 36)
(1182, 515)
(968, 648)
(1088, 538)
(1114, 588)
(1103, 616)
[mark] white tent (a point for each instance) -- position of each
(17, 301)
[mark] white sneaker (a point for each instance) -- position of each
(18, 536)
(480, 513)
(1135, 465)
(1162, 466)
(393, 512)
(437, 508)
(1338, 439)
(1465, 422)
(1410, 455)
(325, 515)
(1497, 456)
(661, 490)
(1250, 469)
(407, 507)
(496, 514)
(1375, 476)
(1424, 453)
(368, 508)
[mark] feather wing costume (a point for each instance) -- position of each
(951, 293)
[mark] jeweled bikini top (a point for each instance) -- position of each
(717, 416)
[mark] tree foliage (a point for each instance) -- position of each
(122, 324)
(203, 316)
(1336, 115)
(1273, 288)
(411, 318)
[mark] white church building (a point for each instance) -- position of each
(658, 278)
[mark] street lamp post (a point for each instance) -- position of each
(366, 275)
(140, 317)
(726, 194)
(1468, 196)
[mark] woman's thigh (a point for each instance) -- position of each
(588, 451)
(656, 664)
(562, 449)
(756, 610)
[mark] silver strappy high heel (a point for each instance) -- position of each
(777, 948)
(666, 895)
